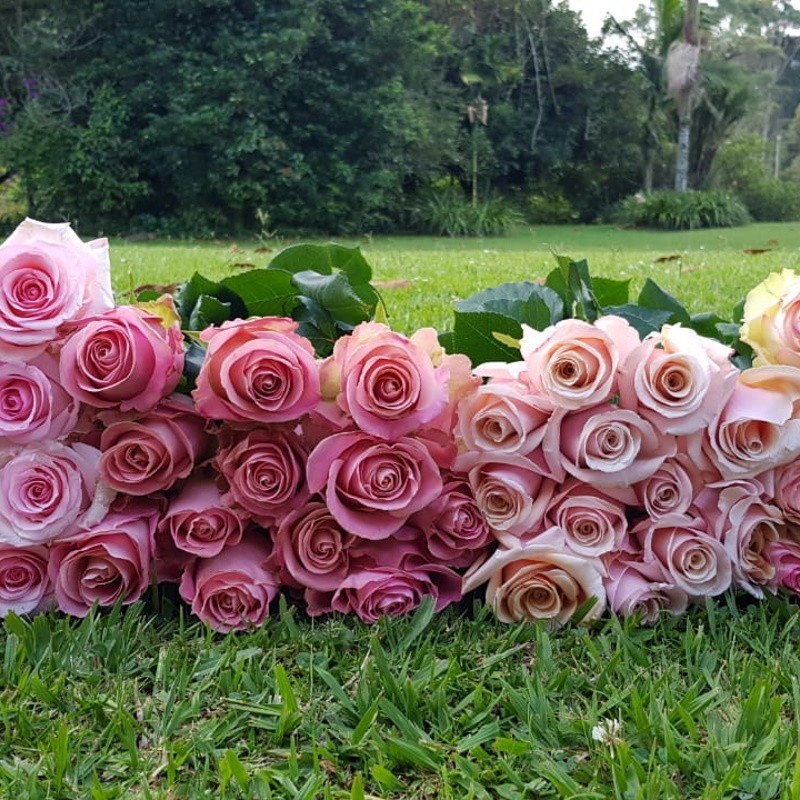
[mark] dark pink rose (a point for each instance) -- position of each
(608, 446)
(126, 358)
(785, 557)
(634, 587)
(25, 587)
(373, 486)
(257, 370)
(147, 453)
(511, 491)
(110, 562)
(198, 522)
(48, 276)
(455, 531)
(264, 469)
(232, 590)
(49, 490)
(388, 383)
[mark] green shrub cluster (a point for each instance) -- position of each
(670, 210)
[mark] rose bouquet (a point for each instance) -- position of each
(238, 447)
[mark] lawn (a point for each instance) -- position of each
(137, 704)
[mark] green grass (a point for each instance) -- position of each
(138, 704)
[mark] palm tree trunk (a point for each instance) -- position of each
(682, 162)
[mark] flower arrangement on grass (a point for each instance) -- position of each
(619, 461)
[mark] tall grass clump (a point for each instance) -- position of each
(682, 211)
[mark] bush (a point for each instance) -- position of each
(446, 211)
(682, 211)
(551, 208)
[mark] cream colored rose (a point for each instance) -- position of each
(772, 320)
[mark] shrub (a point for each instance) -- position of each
(671, 210)
(446, 211)
(551, 208)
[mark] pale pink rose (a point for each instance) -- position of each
(455, 531)
(574, 363)
(503, 417)
(149, 452)
(539, 581)
(673, 379)
(313, 549)
(232, 591)
(388, 385)
(694, 560)
(758, 427)
(25, 587)
(511, 491)
(125, 359)
(671, 488)
(109, 563)
(608, 446)
(785, 483)
(257, 370)
(635, 587)
(738, 516)
(264, 469)
(373, 486)
(49, 490)
(198, 522)
(48, 276)
(33, 404)
(592, 522)
(388, 591)
(784, 555)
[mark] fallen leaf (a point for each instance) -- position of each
(401, 283)
(673, 257)
(754, 251)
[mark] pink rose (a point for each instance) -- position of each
(674, 378)
(125, 358)
(48, 490)
(265, 471)
(592, 523)
(503, 417)
(232, 590)
(388, 384)
(373, 486)
(784, 554)
(25, 587)
(671, 488)
(608, 446)
(635, 587)
(147, 453)
(198, 522)
(33, 404)
(539, 581)
(692, 558)
(455, 531)
(786, 489)
(511, 491)
(574, 363)
(48, 276)
(257, 370)
(109, 563)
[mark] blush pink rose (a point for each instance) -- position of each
(264, 470)
(33, 404)
(671, 488)
(635, 587)
(539, 581)
(148, 453)
(49, 490)
(125, 359)
(388, 384)
(784, 555)
(373, 486)
(785, 484)
(573, 363)
(109, 563)
(677, 379)
(232, 590)
(503, 417)
(198, 522)
(512, 492)
(257, 370)
(608, 446)
(48, 276)
(25, 587)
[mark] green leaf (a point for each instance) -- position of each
(190, 292)
(194, 355)
(644, 320)
(335, 294)
(208, 311)
(317, 325)
(572, 282)
(265, 292)
(535, 305)
(707, 324)
(447, 339)
(324, 258)
(610, 292)
(653, 296)
(473, 335)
